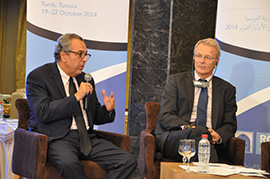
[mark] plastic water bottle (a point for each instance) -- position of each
(204, 154)
(1, 112)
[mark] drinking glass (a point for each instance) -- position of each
(181, 150)
(189, 150)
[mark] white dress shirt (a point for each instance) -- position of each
(65, 80)
(197, 92)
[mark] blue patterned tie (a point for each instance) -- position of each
(202, 107)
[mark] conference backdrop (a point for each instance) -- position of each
(243, 32)
(103, 25)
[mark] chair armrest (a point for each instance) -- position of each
(236, 151)
(120, 140)
(147, 154)
(29, 153)
(265, 156)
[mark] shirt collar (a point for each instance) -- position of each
(64, 76)
(197, 77)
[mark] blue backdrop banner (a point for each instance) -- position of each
(103, 25)
(243, 32)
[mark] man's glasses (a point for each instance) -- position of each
(207, 57)
(81, 54)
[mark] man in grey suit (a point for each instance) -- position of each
(55, 93)
(180, 114)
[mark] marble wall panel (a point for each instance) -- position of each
(147, 86)
(192, 21)
(150, 34)
(149, 59)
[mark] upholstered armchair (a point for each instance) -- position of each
(30, 150)
(149, 160)
(265, 156)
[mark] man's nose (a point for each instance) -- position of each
(202, 60)
(85, 59)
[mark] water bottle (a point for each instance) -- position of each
(204, 154)
(1, 111)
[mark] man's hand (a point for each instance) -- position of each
(109, 102)
(215, 136)
(84, 89)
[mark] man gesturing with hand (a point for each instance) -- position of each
(56, 93)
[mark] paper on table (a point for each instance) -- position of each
(214, 170)
(226, 170)
(251, 171)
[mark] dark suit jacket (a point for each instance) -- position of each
(51, 111)
(177, 104)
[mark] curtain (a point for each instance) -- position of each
(128, 63)
(3, 17)
(21, 47)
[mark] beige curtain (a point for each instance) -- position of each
(21, 47)
(3, 17)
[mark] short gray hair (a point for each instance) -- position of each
(210, 42)
(63, 44)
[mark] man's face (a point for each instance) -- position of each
(73, 63)
(205, 60)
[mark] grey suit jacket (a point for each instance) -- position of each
(51, 110)
(177, 104)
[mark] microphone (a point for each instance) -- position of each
(88, 78)
(200, 84)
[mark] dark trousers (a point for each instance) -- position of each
(172, 143)
(65, 153)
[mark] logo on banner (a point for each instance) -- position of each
(248, 137)
(260, 138)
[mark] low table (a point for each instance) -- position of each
(171, 170)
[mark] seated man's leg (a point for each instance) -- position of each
(117, 162)
(172, 143)
(64, 153)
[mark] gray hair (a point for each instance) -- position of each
(63, 44)
(210, 42)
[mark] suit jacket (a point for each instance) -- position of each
(51, 110)
(177, 104)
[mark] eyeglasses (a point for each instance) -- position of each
(207, 57)
(81, 54)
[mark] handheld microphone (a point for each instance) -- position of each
(88, 78)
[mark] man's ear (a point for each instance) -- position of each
(63, 56)
(217, 62)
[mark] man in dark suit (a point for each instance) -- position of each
(56, 110)
(180, 117)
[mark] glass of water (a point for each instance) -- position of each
(189, 150)
(181, 150)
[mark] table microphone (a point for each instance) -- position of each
(88, 78)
